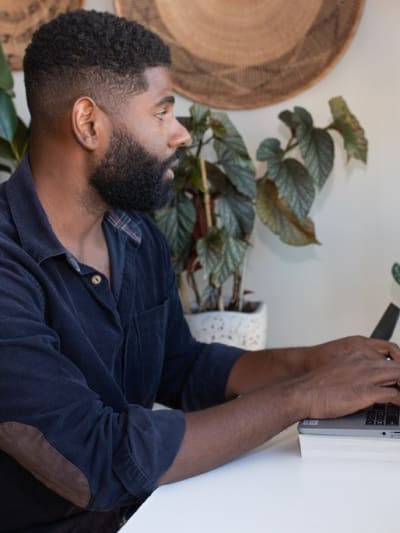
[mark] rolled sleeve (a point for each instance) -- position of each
(206, 384)
(153, 441)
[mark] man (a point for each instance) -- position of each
(91, 328)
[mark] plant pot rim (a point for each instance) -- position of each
(259, 306)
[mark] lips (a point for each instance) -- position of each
(169, 174)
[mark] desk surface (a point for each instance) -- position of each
(274, 490)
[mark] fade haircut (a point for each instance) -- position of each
(88, 53)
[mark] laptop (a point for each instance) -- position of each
(378, 420)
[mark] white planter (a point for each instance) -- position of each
(245, 330)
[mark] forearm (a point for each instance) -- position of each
(265, 367)
(219, 434)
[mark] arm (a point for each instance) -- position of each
(62, 418)
(264, 367)
(329, 380)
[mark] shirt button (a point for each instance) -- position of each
(96, 279)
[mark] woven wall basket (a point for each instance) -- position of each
(240, 54)
(20, 18)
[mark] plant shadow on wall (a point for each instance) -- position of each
(14, 133)
(209, 220)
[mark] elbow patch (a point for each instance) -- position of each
(28, 446)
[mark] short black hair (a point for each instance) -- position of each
(88, 53)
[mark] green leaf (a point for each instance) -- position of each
(269, 150)
(396, 272)
(199, 123)
(233, 253)
(287, 118)
(236, 213)
(317, 150)
(295, 185)
(292, 179)
(8, 117)
(199, 113)
(355, 142)
(210, 250)
(21, 139)
(274, 213)
(8, 165)
(220, 255)
(6, 151)
(6, 79)
(187, 173)
(302, 117)
(225, 131)
(176, 222)
(217, 179)
(239, 170)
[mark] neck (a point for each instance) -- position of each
(75, 212)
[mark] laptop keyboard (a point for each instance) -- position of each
(383, 414)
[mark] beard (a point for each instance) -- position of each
(130, 178)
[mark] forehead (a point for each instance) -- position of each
(159, 86)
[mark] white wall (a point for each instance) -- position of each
(339, 288)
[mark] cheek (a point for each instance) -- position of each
(153, 135)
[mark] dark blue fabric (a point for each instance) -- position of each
(83, 362)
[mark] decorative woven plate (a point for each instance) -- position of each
(20, 18)
(238, 54)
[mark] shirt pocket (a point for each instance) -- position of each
(151, 327)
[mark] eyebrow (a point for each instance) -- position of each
(166, 100)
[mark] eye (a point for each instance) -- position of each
(161, 114)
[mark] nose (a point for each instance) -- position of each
(180, 135)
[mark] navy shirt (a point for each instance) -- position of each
(81, 363)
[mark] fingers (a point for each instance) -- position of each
(383, 372)
(356, 376)
(374, 347)
(385, 347)
(394, 351)
(387, 395)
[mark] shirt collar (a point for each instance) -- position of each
(35, 232)
(128, 223)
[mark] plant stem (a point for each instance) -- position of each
(290, 145)
(184, 294)
(221, 306)
(193, 286)
(199, 148)
(207, 201)
(237, 280)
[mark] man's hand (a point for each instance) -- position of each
(347, 347)
(352, 380)
(267, 367)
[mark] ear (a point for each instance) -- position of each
(86, 122)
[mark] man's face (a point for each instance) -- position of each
(136, 170)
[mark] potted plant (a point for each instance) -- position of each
(209, 220)
(14, 133)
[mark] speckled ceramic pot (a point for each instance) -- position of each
(245, 330)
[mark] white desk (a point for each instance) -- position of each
(274, 490)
